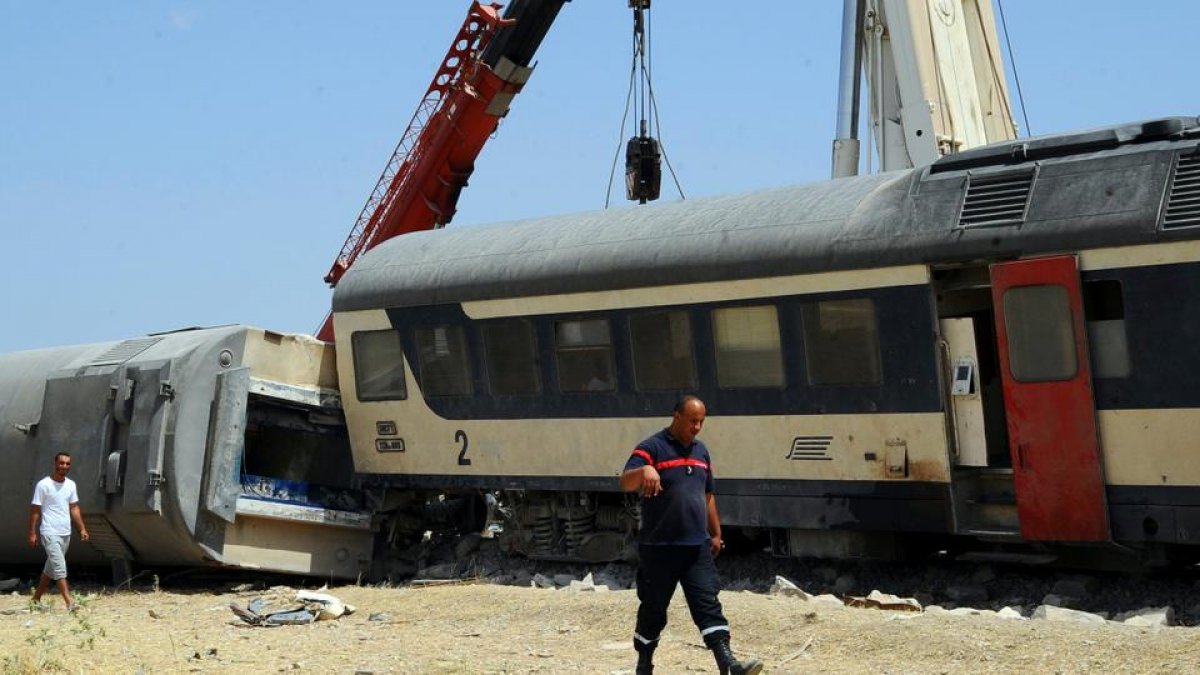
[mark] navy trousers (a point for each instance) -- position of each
(660, 570)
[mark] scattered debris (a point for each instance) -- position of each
(1148, 616)
(1053, 613)
(966, 611)
(798, 654)
(314, 606)
(783, 586)
(878, 600)
(829, 600)
(1010, 613)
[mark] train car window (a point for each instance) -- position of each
(662, 351)
(1104, 309)
(1041, 337)
(378, 365)
(585, 356)
(841, 342)
(444, 363)
(510, 350)
(747, 347)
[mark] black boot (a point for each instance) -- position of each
(729, 665)
(645, 664)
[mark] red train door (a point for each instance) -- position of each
(1048, 401)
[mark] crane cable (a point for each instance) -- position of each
(1012, 60)
(643, 173)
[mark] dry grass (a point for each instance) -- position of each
(482, 628)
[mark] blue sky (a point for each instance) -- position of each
(170, 164)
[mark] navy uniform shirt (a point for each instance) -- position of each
(679, 514)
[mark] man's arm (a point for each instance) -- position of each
(714, 524)
(77, 516)
(643, 478)
(35, 512)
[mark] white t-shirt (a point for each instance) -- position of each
(55, 499)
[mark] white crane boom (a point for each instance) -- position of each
(935, 80)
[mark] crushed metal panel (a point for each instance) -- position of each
(226, 444)
(315, 515)
(318, 397)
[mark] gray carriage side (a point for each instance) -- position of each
(163, 430)
(1107, 187)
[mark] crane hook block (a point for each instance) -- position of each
(643, 169)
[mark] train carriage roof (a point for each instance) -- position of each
(1105, 190)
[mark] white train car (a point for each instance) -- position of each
(996, 348)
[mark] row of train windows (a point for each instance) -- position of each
(840, 338)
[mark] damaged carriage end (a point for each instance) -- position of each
(220, 446)
(279, 490)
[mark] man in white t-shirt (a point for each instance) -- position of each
(55, 504)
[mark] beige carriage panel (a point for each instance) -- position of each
(1150, 447)
(297, 548)
(1140, 256)
(817, 447)
(290, 358)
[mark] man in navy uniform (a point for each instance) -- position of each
(680, 537)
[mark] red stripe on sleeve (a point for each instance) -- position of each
(672, 463)
(644, 455)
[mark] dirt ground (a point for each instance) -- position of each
(482, 628)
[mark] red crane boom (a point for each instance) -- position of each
(484, 69)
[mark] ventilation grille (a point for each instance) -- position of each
(1183, 202)
(105, 539)
(123, 351)
(810, 447)
(996, 200)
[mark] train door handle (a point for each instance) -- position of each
(1021, 461)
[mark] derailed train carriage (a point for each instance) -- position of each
(996, 349)
(222, 446)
